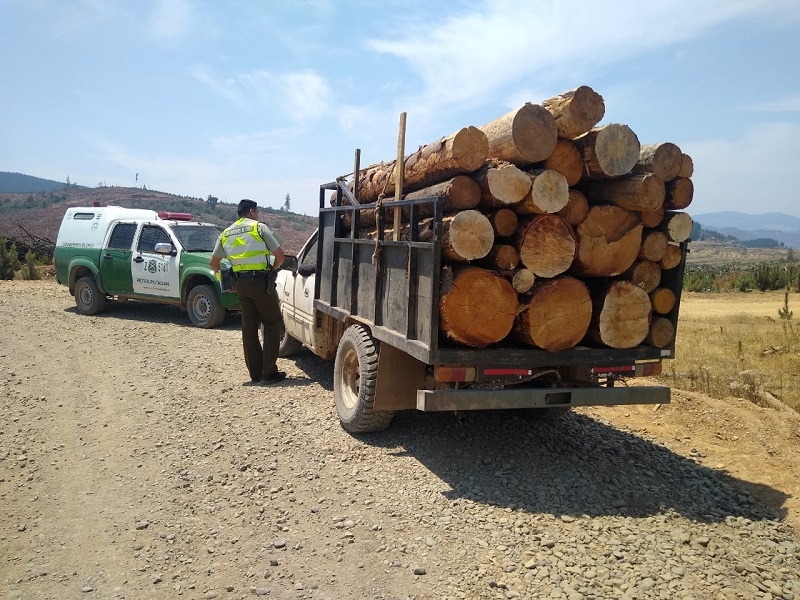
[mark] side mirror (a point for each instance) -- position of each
(306, 269)
(164, 248)
(290, 263)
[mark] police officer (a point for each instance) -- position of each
(255, 256)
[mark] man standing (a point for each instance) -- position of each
(255, 256)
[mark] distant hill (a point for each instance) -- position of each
(778, 226)
(17, 183)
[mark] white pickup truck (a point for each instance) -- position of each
(372, 306)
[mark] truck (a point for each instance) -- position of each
(115, 253)
(372, 307)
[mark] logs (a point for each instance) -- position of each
(608, 151)
(645, 274)
(576, 111)
(664, 160)
(501, 257)
(672, 257)
(466, 236)
(677, 226)
(546, 245)
(549, 193)
(567, 160)
(477, 307)
(523, 136)
(502, 184)
(679, 193)
(576, 209)
(609, 239)
(662, 300)
(620, 316)
(556, 316)
(644, 192)
(504, 222)
(661, 334)
(654, 245)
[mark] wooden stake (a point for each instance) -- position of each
(398, 189)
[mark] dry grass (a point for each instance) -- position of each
(738, 345)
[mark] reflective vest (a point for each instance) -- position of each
(244, 247)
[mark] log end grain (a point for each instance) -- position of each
(470, 148)
(557, 315)
(567, 160)
(661, 334)
(609, 239)
(622, 315)
(469, 236)
(576, 209)
(547, 245)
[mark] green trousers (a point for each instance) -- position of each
(260, 307)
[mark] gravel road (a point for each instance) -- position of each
(134, 464)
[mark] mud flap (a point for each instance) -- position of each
(399, 377)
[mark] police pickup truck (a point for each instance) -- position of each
(119, 253)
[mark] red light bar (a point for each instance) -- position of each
(625, 369)
(174, 216)
(523, 372)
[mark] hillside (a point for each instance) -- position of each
(19, 183)
(726, 254)
(26, 218)
(777, 226)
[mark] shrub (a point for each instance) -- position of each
(29, 270)
(9, 262)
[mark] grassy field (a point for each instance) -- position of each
(737, 344)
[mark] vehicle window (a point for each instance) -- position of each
(83, 216)
(150, 236)
(310, 257)
(197, 238)
(122, 236)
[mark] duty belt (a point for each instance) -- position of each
(250, 274)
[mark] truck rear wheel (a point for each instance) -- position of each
(289, 345)
(204, 308)
(88, 298)
(354, 377)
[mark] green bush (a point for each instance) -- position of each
(29, 270)
(9, 262)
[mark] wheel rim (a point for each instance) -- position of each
(201, 308)
(85, 296)
(351, 379)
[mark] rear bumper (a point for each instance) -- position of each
(440, 400)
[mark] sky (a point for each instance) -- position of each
(263, 98)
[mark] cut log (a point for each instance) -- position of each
(523, 136)
(549, 193)
(608, 151)
(576, 209)
(651, 218)
(645, 274)
(672, 257)
(556, 316)
(654, 244)
(502, 184)
(504, 222)
(576, 111)
(642, 192)
(503, 257)
(461, 152)
(567, 160)
(546, 245)
(661, 334)
(687, 166)
(663, 160)
(680, 192)
(662, 300)
(621, 315)
(477, 306)
(466, 236)
(523, 280)
(609, 239)
(677, 226)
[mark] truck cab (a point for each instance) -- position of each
(106, 253)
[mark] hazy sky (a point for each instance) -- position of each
(259, 99)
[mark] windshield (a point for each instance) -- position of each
(197, 238)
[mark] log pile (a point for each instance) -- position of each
(557, 230)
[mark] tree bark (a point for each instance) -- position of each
(645, 274)
(549, 193)
(679, 193)
(621, 315)
(546, 245)
(677, 226)
(502, 184)
(609, 239)
(567, 160)
(576, 111)
(501, 257)
(672, 257)
(523, 136)
(523, 280)
(654, 244)
(663, 160)
(556, 316)
(576, 209)
(504, 222)
(642, 192)
(477, 306)
(461, 152)
(661, 334)
(608, 151)
(663, 300)
(687, 166)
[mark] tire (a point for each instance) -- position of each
(204, 308)
(546, 415)
(289, 345)
(355, 374)
(88, 298)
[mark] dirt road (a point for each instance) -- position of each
(135, 464)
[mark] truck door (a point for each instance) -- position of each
(155, 274)
(115, 259)
(304, 293)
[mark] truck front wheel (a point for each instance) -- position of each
(204, 308)
(89, 300)
(354, 377)
(289, 346)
